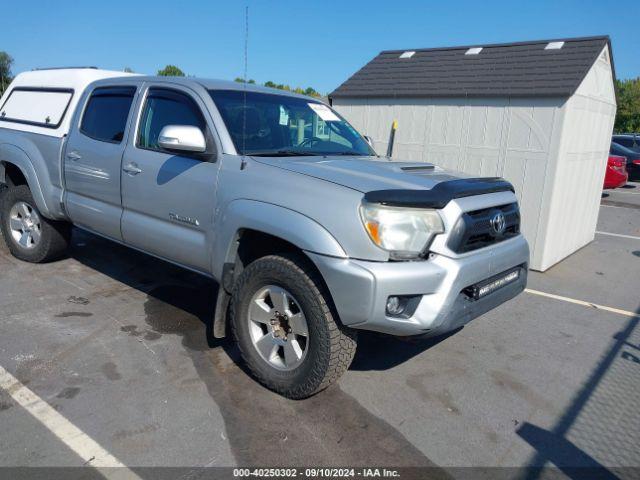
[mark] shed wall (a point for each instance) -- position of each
(574, 200)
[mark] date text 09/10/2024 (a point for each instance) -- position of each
(317, 472)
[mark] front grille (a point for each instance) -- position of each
(473, 230)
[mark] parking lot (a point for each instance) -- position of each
(114, 364)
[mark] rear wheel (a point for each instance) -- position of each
(285, 329)
(30, 236)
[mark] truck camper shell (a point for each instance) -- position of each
(43, 101)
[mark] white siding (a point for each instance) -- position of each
(553, 150)
(579, 172)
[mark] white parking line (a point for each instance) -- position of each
(618, 235)
(626, 193)
(583, 303)
(616, 206)
(91, 453)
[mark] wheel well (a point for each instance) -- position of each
(13, 175)
(254, 244)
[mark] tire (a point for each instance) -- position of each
(49, 239)
(328, 348)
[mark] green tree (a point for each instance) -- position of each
(128, 70)
(5, 71)
(304, 91)
(628, 96)
(171, 71)
(311, 92)
(241, 80)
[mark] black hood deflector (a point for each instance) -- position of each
(439, 195)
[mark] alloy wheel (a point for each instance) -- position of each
(278, 327)
(25, 225)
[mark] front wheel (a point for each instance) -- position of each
(285, 330)
(30, 236)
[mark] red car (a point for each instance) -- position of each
(616, 174)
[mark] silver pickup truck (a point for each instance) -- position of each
(310, 235)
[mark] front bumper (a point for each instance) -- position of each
(360, 288)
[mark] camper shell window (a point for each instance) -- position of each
(42, 107)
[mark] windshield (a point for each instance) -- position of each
(278, 125)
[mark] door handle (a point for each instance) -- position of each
(75, 156)
(132, 169)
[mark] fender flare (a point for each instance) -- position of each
(290, 225)
(10, 154)
(281, 222)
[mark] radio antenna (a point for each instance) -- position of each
(243, 163)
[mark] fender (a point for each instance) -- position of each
(45, 201)
(292, 226)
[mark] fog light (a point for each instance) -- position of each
(395, 306)
(402, 306)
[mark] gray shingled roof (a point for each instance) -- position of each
(521, 69)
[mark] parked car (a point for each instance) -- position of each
(628, 140)
(616, 173)
(310, 235)
(633, 159)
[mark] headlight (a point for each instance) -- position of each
(404, 232)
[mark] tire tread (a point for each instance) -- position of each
(338, 346)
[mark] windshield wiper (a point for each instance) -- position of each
(282, 153)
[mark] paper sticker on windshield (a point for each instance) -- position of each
(324, 112)
(284, 116)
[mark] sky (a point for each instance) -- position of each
(303, 43)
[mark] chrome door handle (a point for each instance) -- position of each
(132, 169)
(74, 156)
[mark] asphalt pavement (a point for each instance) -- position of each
(115, 348)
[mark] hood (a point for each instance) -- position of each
(366, 174)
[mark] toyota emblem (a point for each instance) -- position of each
(498, 223)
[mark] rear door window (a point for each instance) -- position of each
(44, 107)
(624, 141)
(106, 113)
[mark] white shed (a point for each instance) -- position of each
(539, 114)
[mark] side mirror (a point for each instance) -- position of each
(182, 138)
(368, 140)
